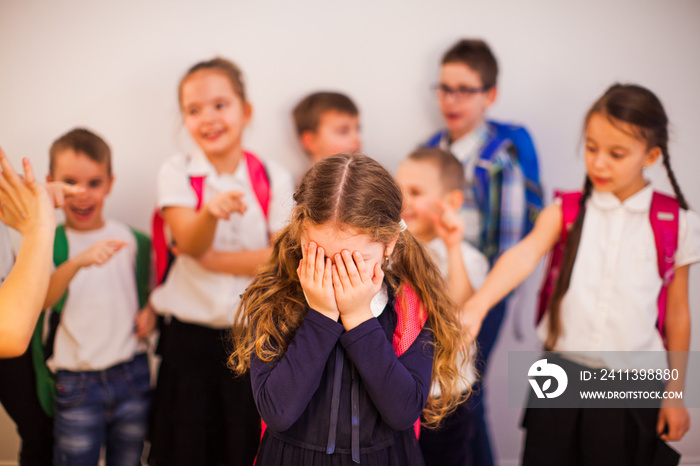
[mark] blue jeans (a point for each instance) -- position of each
(96, 408)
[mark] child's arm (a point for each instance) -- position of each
(284, 388)
(194, 230)
(513, 267)
(97, 254)
(673, 413)
(234, 263)
(145, 321)
(24, 206)
(450, 229)
(398, 386)
(398, 390)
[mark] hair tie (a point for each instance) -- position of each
(402, 225)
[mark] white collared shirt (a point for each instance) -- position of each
(192, 293)
(611, 303)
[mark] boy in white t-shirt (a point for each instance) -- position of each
(99, 355)
(433, 184)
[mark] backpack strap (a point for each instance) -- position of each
(60, 255)
(45, 379)
(522, 141)
(160, 246)
(410, 320)
(435, 139)
(663, 216)
(161, 250)
(570, 205)
(197, 184)
(411, 317)
(143, 266)
(491, 147)
(260, 182)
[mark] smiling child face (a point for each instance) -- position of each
(83, 211)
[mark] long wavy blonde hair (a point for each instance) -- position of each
(348, 191)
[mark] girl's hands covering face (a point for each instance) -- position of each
(355, 285)
(314, 273)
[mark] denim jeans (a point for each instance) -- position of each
(96, 408)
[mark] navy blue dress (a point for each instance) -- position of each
(338, 396)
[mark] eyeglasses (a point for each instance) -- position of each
(459, 93)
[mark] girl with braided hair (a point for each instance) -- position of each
(605, 297)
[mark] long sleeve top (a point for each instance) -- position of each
(334, 391)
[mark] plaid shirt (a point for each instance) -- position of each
(502, 213)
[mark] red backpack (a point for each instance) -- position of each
(261, 186)
(663, 216)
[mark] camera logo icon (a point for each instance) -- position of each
(543, 370)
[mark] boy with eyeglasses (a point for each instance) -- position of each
(494, 212)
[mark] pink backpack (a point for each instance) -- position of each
(663, 216)
(261, 186)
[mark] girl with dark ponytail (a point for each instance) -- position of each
(605, 296)
(319, 327)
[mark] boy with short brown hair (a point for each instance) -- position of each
(327, 123)
(100, 285)
(499, 207)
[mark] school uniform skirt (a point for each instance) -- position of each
(202, 414)
(593, 436)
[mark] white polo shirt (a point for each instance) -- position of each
(192, 293)
(611, 303)
(477, 267)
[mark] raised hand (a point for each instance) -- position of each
(314, 273)
(673, 419)
(448, 225)
(224, 204)
(99, 253)
(145, 321)
(59, 191)
(355, 285)
(24, 203)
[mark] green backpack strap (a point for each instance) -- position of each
(45, 379)
(60, 255)
(45, 383)
(143, 266)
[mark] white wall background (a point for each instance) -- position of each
(113, 66)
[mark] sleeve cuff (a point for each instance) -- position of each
(359, 332)
(324, 323)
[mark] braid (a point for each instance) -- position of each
(672, 177)
(565, 270)
(639, 107)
